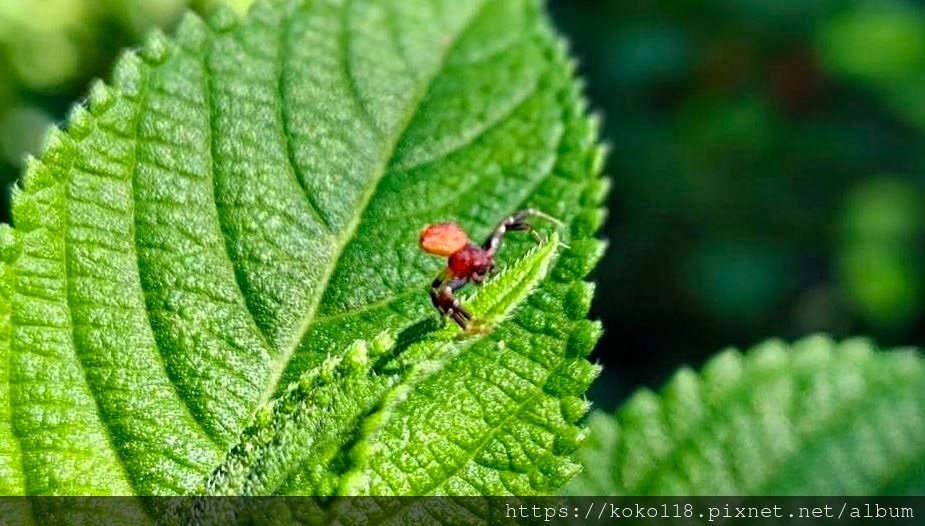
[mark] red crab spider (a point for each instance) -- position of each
(467, 261)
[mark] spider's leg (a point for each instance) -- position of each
(516, 222)
(436, 286)
(461, 317)
(441, 295)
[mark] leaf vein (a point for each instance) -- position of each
(14, 431)
(72, 333)
(145, 293)
(487, 127)
(351, 228)
(286, 134)
(353, 88)
(219, 224)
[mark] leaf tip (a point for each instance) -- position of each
(644, 406)
(499, 295)
(723, 369)
(684, 385)
(568, 439)
(383, 343)
(601, 152)
(857, 347)
(578, 300)
(35, 177)
(596, 191)
(812, 351)
(57, 146)
(357, 356)
(769, 356)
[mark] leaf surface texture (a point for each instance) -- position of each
(812, 418)
(241, 206)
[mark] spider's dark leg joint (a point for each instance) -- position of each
(435, 288)
(516, 223)
(525, 213)
(441, 295)
(461, 316)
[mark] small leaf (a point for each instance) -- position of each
(299, 433)
(816, 418)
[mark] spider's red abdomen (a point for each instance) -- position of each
(468, 260)
(443, 239)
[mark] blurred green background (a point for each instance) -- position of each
(49, 52)
(767, 159)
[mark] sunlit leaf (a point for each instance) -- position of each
(242, 205)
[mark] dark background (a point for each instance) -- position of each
(766, 155)
(767, 162)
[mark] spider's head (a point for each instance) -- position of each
(443, 239)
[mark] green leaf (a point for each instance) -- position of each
(294, 439)
(11, 472)
(814, 418)
(596, 458)
(243, 203)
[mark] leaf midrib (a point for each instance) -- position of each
(282, 359)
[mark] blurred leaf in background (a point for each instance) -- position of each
(880, 253)
(874, 41)
(768, 169)
(49, 52)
